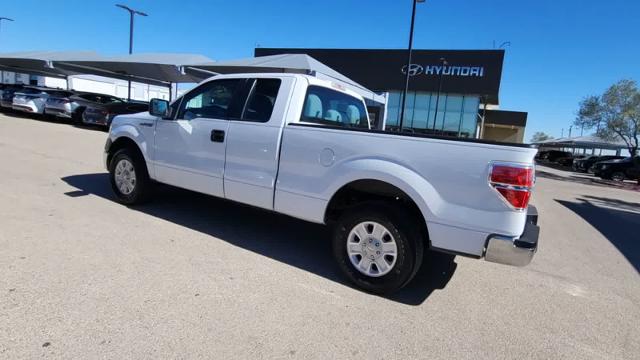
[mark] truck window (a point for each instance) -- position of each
(330, 107)
(211, 100)
(261, 101)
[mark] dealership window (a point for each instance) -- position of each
(421, 111)
(393, 108)
(456, 116)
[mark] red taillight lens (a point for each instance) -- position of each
(516, 176)
(513, 182)
(518, 198)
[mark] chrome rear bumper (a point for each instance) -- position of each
(516, 251)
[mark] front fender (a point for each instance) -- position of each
(129, 131)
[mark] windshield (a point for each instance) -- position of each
(107, 99)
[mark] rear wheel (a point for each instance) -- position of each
(618, 176)
(129, 178)
(377, 246)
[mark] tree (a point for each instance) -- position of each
(540, 136)
(614, 114)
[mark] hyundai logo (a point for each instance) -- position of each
(414, 69)
(472, 71)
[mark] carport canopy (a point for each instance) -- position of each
(162, 67)
(166, 68)
(283, 63)
(583, 142)
(151, 68)
(42, 62)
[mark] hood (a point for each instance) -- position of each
(127, 118)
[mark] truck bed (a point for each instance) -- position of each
(447, 178)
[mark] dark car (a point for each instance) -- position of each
(81, 101)
(8, 91)
(569, 160)
(584, 165)
(553, 155)
(541, 154)
(617, 170)
(103, 114)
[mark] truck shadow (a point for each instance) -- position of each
(282, 238)
(617, 220)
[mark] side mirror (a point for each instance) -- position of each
(159, 107)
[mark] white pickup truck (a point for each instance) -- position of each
(302, 146)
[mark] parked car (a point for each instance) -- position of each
(303, 146)
(553, 155)
(568, 160)
(32, 99)
(618, 170)
(59, 103)
(584, 165)
(103, 113)
(80, 101)
(8, 91)
(541, 155)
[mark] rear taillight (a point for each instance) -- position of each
(513, 182)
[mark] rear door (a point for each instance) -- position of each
(254, 142)
(190, 148)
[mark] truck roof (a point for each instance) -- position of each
(311, 80)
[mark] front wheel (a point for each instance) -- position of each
(129, 178)
(377, 246)
(617, 176)
(76, 117)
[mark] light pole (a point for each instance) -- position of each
(5, 18)
(2, 72)
(132, 13)
(408, 66)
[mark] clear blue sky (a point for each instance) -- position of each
(561, 50)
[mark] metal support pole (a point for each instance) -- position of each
(408, 66)
(484, 114)
(131, 14)
(435, 115)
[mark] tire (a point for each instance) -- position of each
(76, 117)
(129, 190)
(618, 176)
(47, 117)
(396, 223)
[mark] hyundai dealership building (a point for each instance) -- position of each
(451, 92)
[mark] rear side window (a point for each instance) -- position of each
(330, 107)
(263, 96)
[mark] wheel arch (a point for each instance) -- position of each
(123, 142)
(363, 190)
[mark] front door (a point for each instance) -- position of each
(190, 148)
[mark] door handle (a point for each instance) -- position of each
(217, 135)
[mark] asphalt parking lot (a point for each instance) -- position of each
(190, 276)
